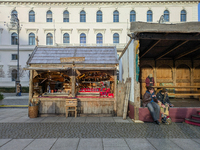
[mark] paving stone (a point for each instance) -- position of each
(186, 144)
(78, 119)
(114, 142)
(63, 144)
(64, 119)
(163, 144)
(120, 119)
(16, 144)
(90, 144)
(50, 119)
(4, 141)
(106, 119)
(92, 119)
(196, 140)
(139, 144)
(21, 119)
(9, 119)
(38, 119)
(116, 148)
(41, 144)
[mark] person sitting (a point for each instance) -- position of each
(150, 100)
(163, 97)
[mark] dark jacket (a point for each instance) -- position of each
(147, 99)
(161, 97)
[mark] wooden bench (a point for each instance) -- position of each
(71, 105)
(181, 94)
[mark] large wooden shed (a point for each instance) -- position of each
(87, 74)
(171, 53)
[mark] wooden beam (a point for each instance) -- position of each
(149, 47)
(172, 48)
(188, 52)
(170, 36)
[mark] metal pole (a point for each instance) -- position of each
(17, 80)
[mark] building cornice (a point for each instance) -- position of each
(94, 2)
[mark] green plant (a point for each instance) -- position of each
(1, 96)
(13, 89)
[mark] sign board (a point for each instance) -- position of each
(71, 59)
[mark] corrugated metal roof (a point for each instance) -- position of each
(93, 55)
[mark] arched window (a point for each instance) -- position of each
(99, 16)
(149, 16)
(99, 38)
(14, 39)
(166, 16)
(65, 16)
(49, 39)
(14, 12)
(31, 16)
(115, 38)
(49, 16)
(82, 16)
(132, 16)
(82, 38)
(183, 16)
(31, 39)
(66, 38)
(14, 74)
(115, 16)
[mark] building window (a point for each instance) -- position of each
(82, 38)
(66, 38)
(132, 16)
(14, 12)
(49, 16)
(82, 16)
(149, 16)
(65, 16)
(14, 56)
(31, 16)
(115, 38)
(115, 16)
(31, 39)
(99, 38)
(49, 40)
(99, 16)
(166, 16)
(14, 39)
(14, 74)
(183, 16)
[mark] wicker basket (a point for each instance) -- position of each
(33, 111)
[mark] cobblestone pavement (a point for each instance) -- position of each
(96, 130)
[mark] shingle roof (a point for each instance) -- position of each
(93, 55)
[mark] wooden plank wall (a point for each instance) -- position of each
(178, 73)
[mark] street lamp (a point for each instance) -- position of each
(14, 21)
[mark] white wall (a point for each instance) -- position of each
(91, 28)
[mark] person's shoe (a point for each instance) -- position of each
(157, 122)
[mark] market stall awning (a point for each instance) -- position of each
(74, 55)
(167, 41)
(41, 68)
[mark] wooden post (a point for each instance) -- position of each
(115, 92)
(73, 83)
(31, 85)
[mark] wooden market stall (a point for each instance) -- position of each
(171, 54)
(87, 74)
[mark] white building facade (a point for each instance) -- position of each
(77, 22)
